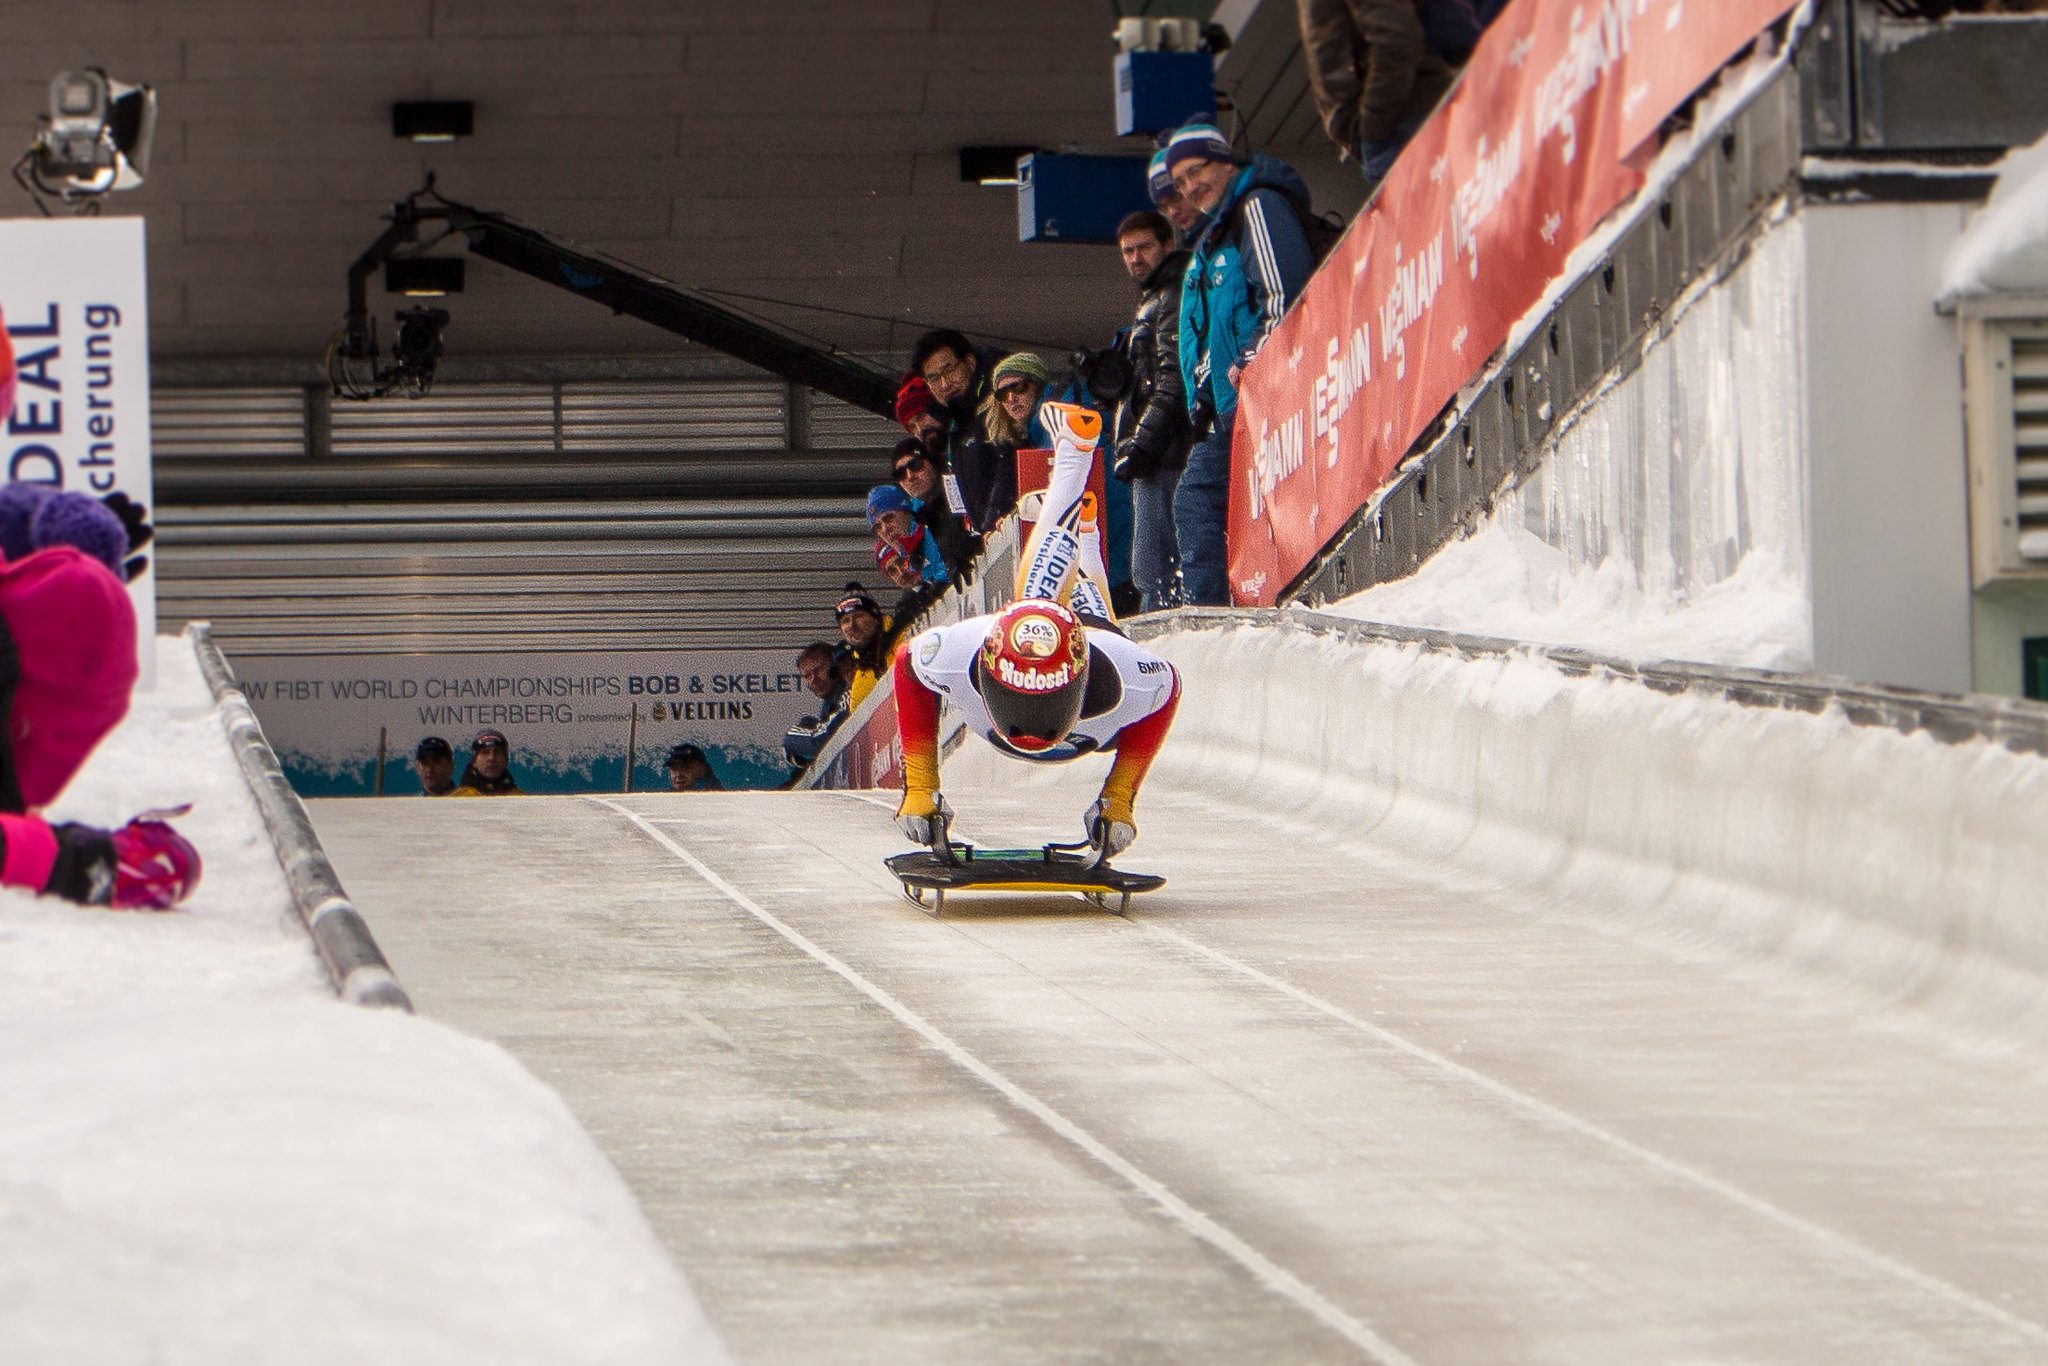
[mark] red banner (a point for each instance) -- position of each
(1535, 146)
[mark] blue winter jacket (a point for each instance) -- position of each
(1250, 261)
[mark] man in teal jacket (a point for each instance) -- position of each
(1250, 261)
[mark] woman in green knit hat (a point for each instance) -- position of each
(1010, 412)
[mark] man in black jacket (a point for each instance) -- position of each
(1153, 433)
(957, 374)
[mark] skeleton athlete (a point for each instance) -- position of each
(1050, 677)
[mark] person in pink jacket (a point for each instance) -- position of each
(67, 668)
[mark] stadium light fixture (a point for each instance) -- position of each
(992, 165)
(423, 277)
(433, 120)
(96, 139)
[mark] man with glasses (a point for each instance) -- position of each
(956, 373)
(489, 773)
(1251, 259)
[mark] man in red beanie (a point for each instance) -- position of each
(919, 415)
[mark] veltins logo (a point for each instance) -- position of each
(1034, 637)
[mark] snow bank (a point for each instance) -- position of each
(2004, 250)
(1506, 581)
(205, 1158)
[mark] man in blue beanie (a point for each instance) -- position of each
(1250, 260)
(1167, 198)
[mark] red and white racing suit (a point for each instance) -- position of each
(1132, 693)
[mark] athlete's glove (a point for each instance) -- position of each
(144, 865)
(917, 813)
(1111, 826)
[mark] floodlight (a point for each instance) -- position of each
(95, 139)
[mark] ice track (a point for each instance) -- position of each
(1382, 1074)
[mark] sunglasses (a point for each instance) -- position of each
(483, 746)
(916, 462)
(1012, 390)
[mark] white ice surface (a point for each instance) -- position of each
(2005, 247)
(1903, 869)
(204, 1157)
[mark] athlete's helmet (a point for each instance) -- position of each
(1033, 673)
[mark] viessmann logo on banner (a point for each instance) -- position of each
(1539, 141)
(74, 298)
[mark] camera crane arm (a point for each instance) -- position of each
(623, 289)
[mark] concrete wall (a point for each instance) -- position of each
(803, 150)
(1889, 538)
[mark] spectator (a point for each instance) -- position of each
(985, 464)
(70, 668)
(690, 771)
(434, 759)
(896, 529)
(957, 374)
(918, 415)
(1248, 266)
(1152, 430)
(814, 666)
(864, 641)
(489, 773)
(916, 471)
(1171, 203)
(1010, 413)
(819, 665)
(1374, 76)
(897, 568)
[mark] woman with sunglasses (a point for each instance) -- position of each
(1005, 422)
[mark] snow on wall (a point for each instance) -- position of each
(1895, 864)
(1669, 520)
(2005, 248)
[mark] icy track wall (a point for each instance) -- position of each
(1687, 476)
(1905, 867)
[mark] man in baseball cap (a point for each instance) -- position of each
(690, 771)
(434, 759)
